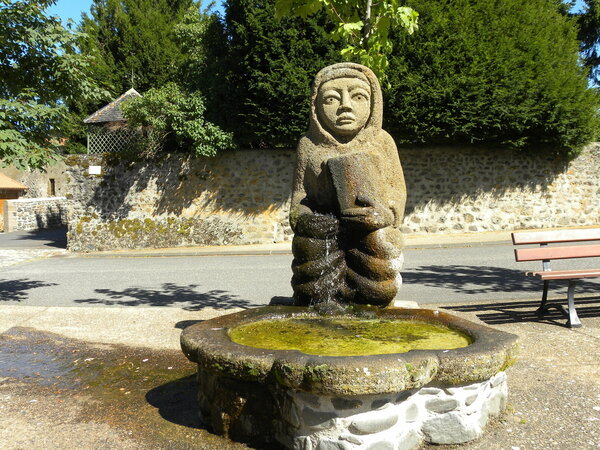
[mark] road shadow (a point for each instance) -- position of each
(186, 297)
(486, 279)
(54, 237)
(176, 401)
(16, 290)
(499, 313)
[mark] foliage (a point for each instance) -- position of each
(589, 35)
(363, 25)
(259, 69)
(40, 71)
(174, 119)
(495, 72)
(134, 38)
(195, 35)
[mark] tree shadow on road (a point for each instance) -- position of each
(171, 294)
(499, 313)
(16, 290)
(485, 280)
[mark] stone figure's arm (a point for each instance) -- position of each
(303, 218)
(362, 187)
(395, 178)
(298, 206)
(370, 214)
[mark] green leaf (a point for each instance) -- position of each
(353, 26)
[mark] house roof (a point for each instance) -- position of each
(10, 184)
(112, 111)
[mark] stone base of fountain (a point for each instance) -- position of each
(390, 401)
(300, 420)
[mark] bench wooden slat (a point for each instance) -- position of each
(565, 274)
(555, 236)
(546, 253)
(541, 253)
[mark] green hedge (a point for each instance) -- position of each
(493, 72)
(259, 78)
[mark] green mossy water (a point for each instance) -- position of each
(343, 336)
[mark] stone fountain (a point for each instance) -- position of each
(347, 205)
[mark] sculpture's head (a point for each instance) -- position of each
(346, 100)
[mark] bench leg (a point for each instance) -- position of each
(543, 308)
(573, 317)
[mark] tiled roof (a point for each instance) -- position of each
(112, 112)
(9, 183)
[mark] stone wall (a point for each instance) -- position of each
(466, 190)
(235, 198)
(243, 197)
(28, 214)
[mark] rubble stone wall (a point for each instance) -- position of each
(28, 214)
(467, 190)
(238, 197)
(243, 197)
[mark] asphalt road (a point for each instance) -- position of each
(39, 239)
(431, 275)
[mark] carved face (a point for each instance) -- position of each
(344, 105)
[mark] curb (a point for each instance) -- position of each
(412, 243)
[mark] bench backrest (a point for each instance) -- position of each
(546, 253)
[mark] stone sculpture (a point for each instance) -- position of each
(349, 195)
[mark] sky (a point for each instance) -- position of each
(72, 9)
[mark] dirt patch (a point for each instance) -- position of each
(62, 393)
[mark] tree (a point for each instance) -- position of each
(135, 41)
(201, 37)
(40, 71)
(174, 120)
(589, 35)
(363, 25)
(494, 72)
(258, 72)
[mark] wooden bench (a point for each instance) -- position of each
(546, 253)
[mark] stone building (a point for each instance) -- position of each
(9, 190)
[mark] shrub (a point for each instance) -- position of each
(174, 120)
(495, 72)
(259, 72)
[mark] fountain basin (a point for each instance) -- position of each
(395, 400)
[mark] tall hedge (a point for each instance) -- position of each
(495, 72)
(134, 37)
(259, 72)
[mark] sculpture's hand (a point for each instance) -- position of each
(318, 226)
(371, 215)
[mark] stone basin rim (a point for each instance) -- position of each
(492, 351)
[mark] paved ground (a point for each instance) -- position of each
(26, 246)
(113, 377)
(39, 239)
(247, 276)
(81, 392)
